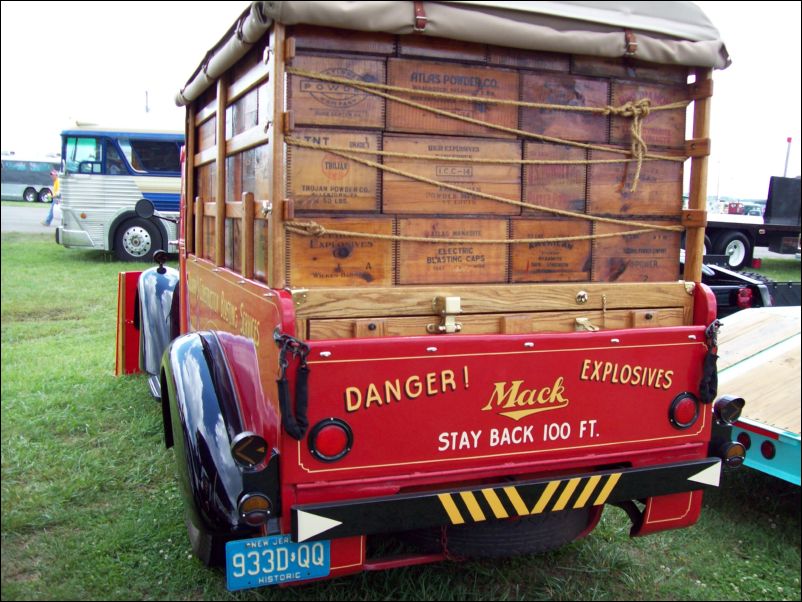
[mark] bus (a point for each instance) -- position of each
(105, 171)
(28, 179)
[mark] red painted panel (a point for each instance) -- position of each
(127, 356)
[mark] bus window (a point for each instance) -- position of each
(151, 156)
(83, 155)
(114, 162)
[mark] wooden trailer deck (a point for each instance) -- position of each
(759, 360)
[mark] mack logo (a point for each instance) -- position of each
(516, 402)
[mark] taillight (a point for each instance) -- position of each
(249, 449)
(744, 300)
(255, 509)
(727, 409)
(732, 453)
(330, 439)
(684, 410)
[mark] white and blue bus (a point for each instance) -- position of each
(26, 179)
(105, 171)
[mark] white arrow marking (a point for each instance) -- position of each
(310, 525)
(709, 476)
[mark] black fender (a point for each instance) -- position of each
(157, 319)
(205, 419)
(123, 217)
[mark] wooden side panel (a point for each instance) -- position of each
(310, 37)
(559, 186)
(563, 89)
(567, 261)
(622, 68)
(339, 260)
(658, 192)
(648, 257)
(528, 59)
(441, 48)
(404, 195)
(490, 323)
(435, 263)
(321, 181)
(315, 102)
(452, 78)
(665, 128)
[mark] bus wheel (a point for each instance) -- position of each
(136, 240)
(29, 195)
(45, 195)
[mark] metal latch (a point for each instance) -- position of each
(585, 324)
(449, 308)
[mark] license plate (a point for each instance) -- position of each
(273, 560)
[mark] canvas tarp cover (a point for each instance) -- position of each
(675, 33)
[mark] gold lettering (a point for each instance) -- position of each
(509, 396)
(372, 396)
(353, 399)
(392, 390)
(413, 387)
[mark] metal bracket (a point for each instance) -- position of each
(299, 296)
(584, 324)
(449, 308)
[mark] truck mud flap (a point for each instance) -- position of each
(405, 512)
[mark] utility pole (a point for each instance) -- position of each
(787, 154)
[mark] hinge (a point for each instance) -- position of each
(584, 324)
(299, 296)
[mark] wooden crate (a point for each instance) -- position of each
(623, 68)
(570, 90)
(330, 39)
(321, 181)
(567, 261)
(648, 257)
(441, 48)
(555, 186)
(315, 102)
(401, 194)
(660, 128)
(451, 78)
(459, 262)
(341, 260)
(658, 193)
(528, 59)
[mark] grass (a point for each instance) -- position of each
(779, 270)
(91, 509)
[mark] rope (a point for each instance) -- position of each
(492, 197)
(312, 228)
(636, 110)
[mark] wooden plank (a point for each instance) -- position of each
(220, 218)
(569, 90)
(556, 186)
(310, 37)
(484, 323)
(625, 68)
(665, 128)
(648, 257)
(658, 192)
(315, 102)
(567, 261)
(441, 48)
(321, 181)
(471, 80)
(434, 263)
(759, 360)
(188, 194)
(404, 195)
(528, 59)
(489, 298)
(274, 165)
(338, 260)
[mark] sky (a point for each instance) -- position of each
(63, 61)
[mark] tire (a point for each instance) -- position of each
(29, 195)
(136, 239)
(498, 539)
(210, 550)
(736, 247)
(45, 195)
(708, 248)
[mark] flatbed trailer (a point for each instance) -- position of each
(759, 357)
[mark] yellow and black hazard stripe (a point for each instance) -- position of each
(498, 501)
(510, 501)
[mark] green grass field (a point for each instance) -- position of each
(91, 509)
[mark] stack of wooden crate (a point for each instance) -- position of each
(334, 179)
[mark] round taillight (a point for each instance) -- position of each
(330, 439)
(744, 439)
(733, 453)
(744, 298)
(727, 409)
(255, 509)
(684, 410)
(248, 449)
(768, 450)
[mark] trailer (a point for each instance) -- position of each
(759, 357)
(429, 284)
